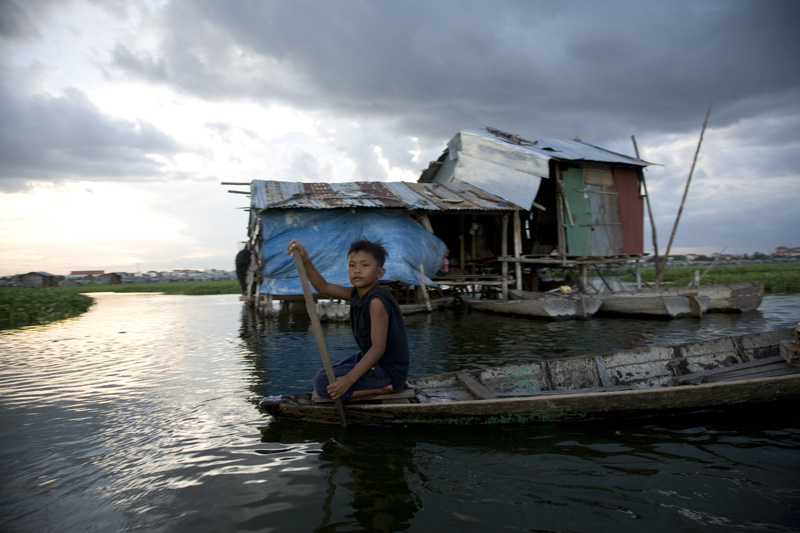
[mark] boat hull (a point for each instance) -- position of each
(738, 297)
(717, 374)
(543, 305)
(680, 302)
(652, 303)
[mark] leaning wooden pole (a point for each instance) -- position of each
(663, 268)
(649, 209)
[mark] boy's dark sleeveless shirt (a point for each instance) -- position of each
(395, 359)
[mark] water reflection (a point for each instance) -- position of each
(141, 415)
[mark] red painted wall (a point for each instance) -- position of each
(631, 209)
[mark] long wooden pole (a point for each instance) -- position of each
(660, 275)
(317, 326)
(649, 211)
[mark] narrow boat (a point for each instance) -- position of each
(739, 297)
(671, 302)
(679, 302)
(550, 306)
(711, 374)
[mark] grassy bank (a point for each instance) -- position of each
(191, 288)
(778, 278)
(26, 306)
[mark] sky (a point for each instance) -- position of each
(120, 120)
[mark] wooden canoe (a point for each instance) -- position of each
(679, 302)
(549, 306)
(659, 303)
(719, 373)
(739, 297)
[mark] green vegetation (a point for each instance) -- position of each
(26, 306)
(190, 288)
(777, 277)
(23, 306)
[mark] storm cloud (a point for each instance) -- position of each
(370, 90)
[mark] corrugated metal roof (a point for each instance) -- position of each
(565, 150)
(375, 194)
(510, 166)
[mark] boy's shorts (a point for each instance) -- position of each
(374, 378)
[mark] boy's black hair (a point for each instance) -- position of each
(375, 249)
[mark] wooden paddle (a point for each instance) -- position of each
(312, 313)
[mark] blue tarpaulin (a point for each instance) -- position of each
(327, 235)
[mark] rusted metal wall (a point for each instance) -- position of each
(631, 209)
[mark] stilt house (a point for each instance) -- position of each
(581, 205)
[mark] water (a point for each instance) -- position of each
(142, 415)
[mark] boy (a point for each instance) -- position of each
(381, 365)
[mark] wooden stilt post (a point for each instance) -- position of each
(518, 249)
(504, 258)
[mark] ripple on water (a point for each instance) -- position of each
(141, 414)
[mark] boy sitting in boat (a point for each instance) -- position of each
(381, 364)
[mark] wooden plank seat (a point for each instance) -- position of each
(405, 395)
(768, 366)
(481, 392)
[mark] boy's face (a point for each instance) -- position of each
(363, 271)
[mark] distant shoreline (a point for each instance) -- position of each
(21, 307)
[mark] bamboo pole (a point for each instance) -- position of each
(650, 213)
(714, 262)
(562, 230)
(660, 275)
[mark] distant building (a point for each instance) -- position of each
(37, 279)
(784, 251)
(112, 278)
(75, 274)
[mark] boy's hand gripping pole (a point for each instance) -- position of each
(315, 323)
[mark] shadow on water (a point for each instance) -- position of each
(701, 470)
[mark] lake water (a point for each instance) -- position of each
(141, 415)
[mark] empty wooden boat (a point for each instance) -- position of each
(657, 303)
(739, 297)
(549, 306)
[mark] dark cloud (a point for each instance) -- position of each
(597, 69)
(67, 137)
(374, 75)
(15, 22)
